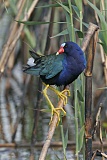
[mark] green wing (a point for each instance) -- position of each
(47, 66)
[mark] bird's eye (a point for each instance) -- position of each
(65, 46)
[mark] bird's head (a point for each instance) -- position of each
(67, 47)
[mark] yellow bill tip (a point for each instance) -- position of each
(57, 53)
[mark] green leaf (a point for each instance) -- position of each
(64, 7)
(64, 32)
(85, 24)
(69, 26)
(80, 34)
(31, 39)
(52, 5)
(81, 138)
(62, 135)
(13, 6)
(36, 22)
(103, 35)
(79, 4)
(61, 33)
(80, 96)
(32, 22)
(103, 43)
(66, 139)
(46, 110)
(97, 11)
(70, 8)
(78, 84)
(76, 10)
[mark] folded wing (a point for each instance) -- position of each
(47, 66)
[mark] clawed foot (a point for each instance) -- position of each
(55, 110)
(63, 96)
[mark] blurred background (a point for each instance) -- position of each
(42, 26)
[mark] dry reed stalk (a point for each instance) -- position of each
(97, 120)
(98, 129)
(91, 31)
(88, 94)
(14, 36)
(14, 26)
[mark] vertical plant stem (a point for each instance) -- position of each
(81, 17)
(76, 120)
(88, 96)
(72, 36)
(62, 134)
(88, 103)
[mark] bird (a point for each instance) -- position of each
(60, 68)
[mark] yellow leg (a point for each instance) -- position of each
(53, 110)
(61, 94)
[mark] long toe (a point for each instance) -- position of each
(66, 90)
(61, 110)
(54, 110)
(63, 97)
